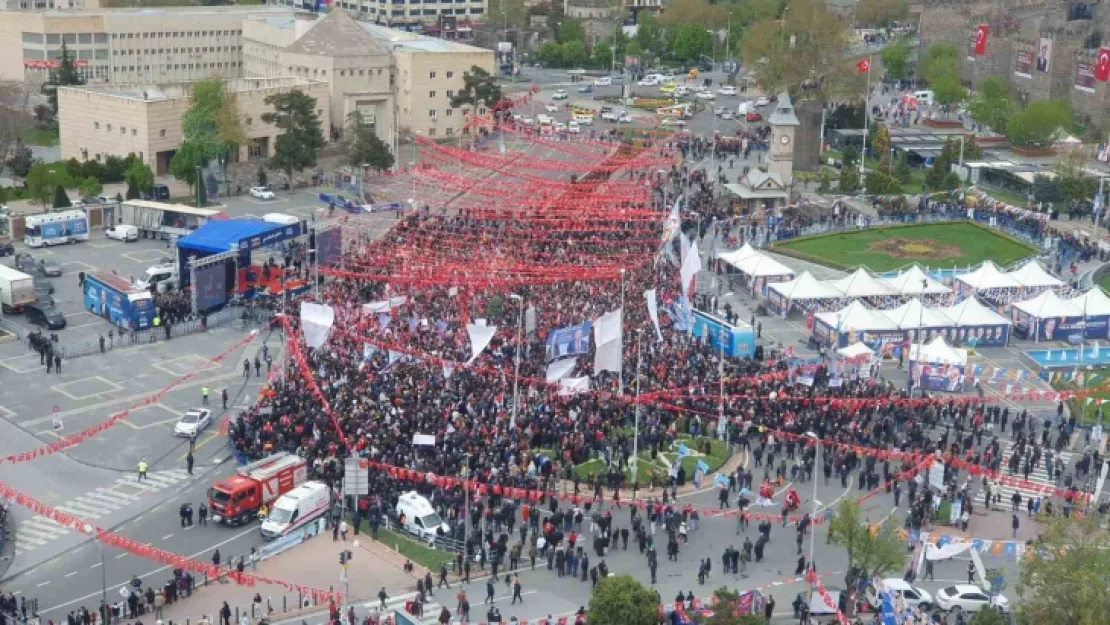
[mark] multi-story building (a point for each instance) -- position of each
(96, 121)
(404, 14)
(128, 45)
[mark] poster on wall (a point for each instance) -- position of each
(1084, 77)
(1044, 55)
(1072, 329)
(972, 43)
(937, 377)
(1024, 65)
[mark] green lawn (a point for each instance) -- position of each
(716, 457)
(935, 245)
(40, 136)
(1097, 380)
(1104, 282)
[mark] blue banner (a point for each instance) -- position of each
(569, 341)
(66, 228)
(277, 235)
(933, 377)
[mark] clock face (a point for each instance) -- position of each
(785, 139)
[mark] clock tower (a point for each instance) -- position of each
(783, 124)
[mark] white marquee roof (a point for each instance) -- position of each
(805, 286)
(1032, 274)
(1048, 304)
(971, 312)
(1093, 303)
(856, 316)
(938, 351)
(862, 284)
(988, 276)
(914, 314)
(909, 282)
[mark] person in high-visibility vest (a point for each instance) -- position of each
(142, 469)
(204, 394)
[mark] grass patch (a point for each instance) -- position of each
(40, 136)
(411, 549)
(1104, 282)
(936, 245)
(1098, 382)
(1010, 197)
(658, 468)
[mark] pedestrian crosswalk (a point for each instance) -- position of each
(1038, 484)
(37, 531)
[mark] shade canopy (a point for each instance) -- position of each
(1093, 303)
(862, 284)
(856, 350)
(856, 316)
(988, 276)
(758, 265)
(1048, 304)
(938, 351)
(914, 314)
(971, 312)
(914, 281)
(1032, 274)
(805, 286)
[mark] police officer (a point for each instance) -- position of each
(204, 395)
(142, 469)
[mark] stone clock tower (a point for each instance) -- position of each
(783, 124)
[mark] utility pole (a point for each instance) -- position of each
(636, 421)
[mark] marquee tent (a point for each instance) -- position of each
(735, 256)
(937, 366)
(976, 323)
(855, 359)
(986, 276)
(862, 284)
(759, 265)
(856, 316)
(1047, 304)
(914, 281)
(1093, 303)
(938, 351)
(914, 314)
(1033, 275)
(1049, 317)
(857, 323)
(782, 294)
(855, 350)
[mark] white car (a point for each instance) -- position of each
(551, 108)
(968, 598)
(122, 232)
(762, 101)
(625, 118)
(727, 114)
(671, 121)
(719, 110)
(681, 90)
(706, 95)
(573, 128)
(604, 81)
(193, 422)
(727, 90)
(262, 193)
(527, 120)
(543, 120)
(911, 595)
(560, 94)
(609, 116)
(648, 82)
(559, 126)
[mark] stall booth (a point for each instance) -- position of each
(973, 325)
(861, 283)
(1049, 317)
(914, 317)
(853, 361)
(986, 278)
(937, 366)
(736, 341)
(914, 281)
(756, 268)
(857, 324)
(782, 296)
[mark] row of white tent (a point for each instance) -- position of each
(1031, 275)
(911, 315)
(1093, 303)
(752, 262)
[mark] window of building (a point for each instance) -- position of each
(360, 72)
(96, 125)
(342, 73)
(432, 113)
(450, 75)
(449, 111)
(162, 132)
(53, 39)
(249, 120)
(431, 74)
(134, 132)
(482, 111)
(108, 127)
(431, 132)
(476, 11)
(450, 131)
(431, 94)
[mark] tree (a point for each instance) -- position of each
(622, 600)
(571, 29)
(603, 55)
(132, 190)
(65, 74)
(880, 13)
(850, 157)
(880, 146)
(882, 183)
(849, 179)
(1074, 183)
(728, 611)
(649, 37)
(870, 553)
(691, 41)
(141, 175)
(971, 148)
(61, 198)
(896, 59)
(185, 161)
(478, 87)
(1037, 125)
(948, 90)
(300, 141)
(700, 13)
(199, 123)
(43, 180)
(804, 50)
(367, 148)
(574, 53)
(21, 160)
(902, 171)
(940, 61)
(991, 104)
(1046, 189)
(90, 187)
(508, 12)
(230, 129)
(550, 53)
(1067, 584)
(989, 617)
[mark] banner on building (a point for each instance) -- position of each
(1084, 77)
(1023, 67)
(1044, 55)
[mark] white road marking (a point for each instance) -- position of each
(71, 574)
(167, 537)
(40, 585)
(95, 564)
(122, 555)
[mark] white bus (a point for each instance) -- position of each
(56, 228)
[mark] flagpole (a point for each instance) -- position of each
(866, 116)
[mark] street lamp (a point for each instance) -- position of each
(813, 476)
(516, 360)
(89, 529)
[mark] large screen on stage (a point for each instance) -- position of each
(211, 286)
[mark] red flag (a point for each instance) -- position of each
(1102, 68)
(981, 39)
(863, 66)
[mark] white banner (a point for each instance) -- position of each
(385, 305)
(609, 342)
(480, 336)
(316, 321)
(574, 386)
(424, 439)
(560, 369)
(691, 265)
(653, 311)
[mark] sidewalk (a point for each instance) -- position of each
(314, 563)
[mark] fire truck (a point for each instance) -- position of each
(237, 499)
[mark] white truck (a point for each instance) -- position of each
(17, 289)
(158, 220)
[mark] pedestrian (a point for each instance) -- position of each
(382, 596)
(769, 609)
(490, 590)
(189, 461)
(516, 590)
(142, 469)
(101, 343)
(57, 364)
(202, 514)
(204, 395)
(225, 614)
(928, 571)
(216, 560)
(1015, 524)
(971, 572)
(224, 394)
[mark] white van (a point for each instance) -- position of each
(284, 219)
(924, 97)
(123, 232)
(418, 517)
(745, 107)
(294, 509)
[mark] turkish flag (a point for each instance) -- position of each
(981, 39)
(863, 66)
(1102, 67)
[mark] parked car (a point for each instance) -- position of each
(559, 94)
(752, 116)
(647, 82)
(968, 598)
(727, 114)
(527, 120)
(911, 595)
(672, 121)
(262, 193)
(603, 81)
(48, 317)
(551, 108)
(762, 101)
(608, 116)
(122, 232)
(50, 267)
(586, 89)
(727, 90)
(624, 118)
(42, 285)
(7, 248)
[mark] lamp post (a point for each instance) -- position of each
(636, 420)
(620, 374)
(466, 507)
(813, 517)
(516, 358)
(89, 529)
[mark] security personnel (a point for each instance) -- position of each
(142, 469)
(204, 395)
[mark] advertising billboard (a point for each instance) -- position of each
(211, 286)
(569, 341)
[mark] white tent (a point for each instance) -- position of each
(856, 350)
(760, 265)
(805, 286)
(1031, 275)
(914, 281)
(1093, 303)
(1048, 304)
(861, 284)
(914, 314)
(856, 316)
(988, 276)
(736, 256)
(938, 351)
(971, 312)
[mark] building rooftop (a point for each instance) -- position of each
(148, 92)
(399, 39)
(176, 10)
(336, 34)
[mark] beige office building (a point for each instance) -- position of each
(96, 121)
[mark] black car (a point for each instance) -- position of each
(42, 285)
(44, 300)
(46, 316)
(6, 248)
(26, 263)
(49, 267)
